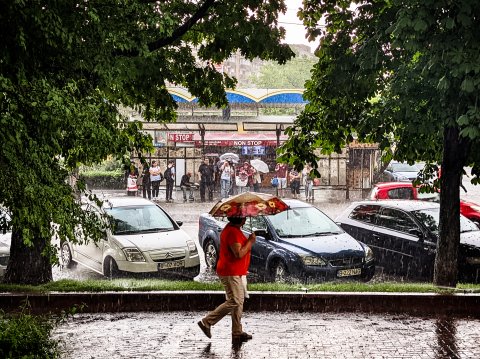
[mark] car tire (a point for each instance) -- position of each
(110, 268)
(66, 255)
(279, 272)
(211, 254)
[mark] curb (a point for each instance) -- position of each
(414, 304)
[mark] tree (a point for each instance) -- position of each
(65, 70)
(404, 74)
(292, 75)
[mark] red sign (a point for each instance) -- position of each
(238, 143)
(180, 137)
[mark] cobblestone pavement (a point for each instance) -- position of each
(275, 335)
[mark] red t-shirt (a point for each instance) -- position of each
(228, 264)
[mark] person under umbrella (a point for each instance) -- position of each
(234, 256)
(232, 267)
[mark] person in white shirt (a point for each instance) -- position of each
(155, 179)
(225, 178)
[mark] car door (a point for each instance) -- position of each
(90, 254)
(263, 245)
(402, 249)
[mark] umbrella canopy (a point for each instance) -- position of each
(248, 204)
(260, 166)
(231, 157)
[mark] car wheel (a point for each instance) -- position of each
(211, 254)
(110, 268)
(279, 272)
(66, 254)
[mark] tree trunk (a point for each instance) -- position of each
(446, 261)
(27, 265)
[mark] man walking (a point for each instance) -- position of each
(232, 267)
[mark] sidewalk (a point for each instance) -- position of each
(276, 335)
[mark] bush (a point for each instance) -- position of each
(26, 336)
(104, 179)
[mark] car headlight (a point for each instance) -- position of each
(313, 261)
(368, 254)
(192, 248)
(133, 255)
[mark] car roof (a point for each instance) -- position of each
(295, 203)
(383, 185)
(403, 204)
(125, 201)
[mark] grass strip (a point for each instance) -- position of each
(146, 285)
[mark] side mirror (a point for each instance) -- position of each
(180, 223)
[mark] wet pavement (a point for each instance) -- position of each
(275, 335)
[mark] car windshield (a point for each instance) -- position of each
(136, 219)
(403, 167)
(303, 222)
(430, 218)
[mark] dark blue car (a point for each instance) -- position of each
(301, 243)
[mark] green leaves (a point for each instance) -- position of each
(65, 70)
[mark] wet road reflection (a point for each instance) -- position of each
(446, 331)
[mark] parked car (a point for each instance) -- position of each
(301, 243)
(403, 236)
(406, 190)
(400, 171)
(143, 239)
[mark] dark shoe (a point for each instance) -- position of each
(205, 329)
(242, 336)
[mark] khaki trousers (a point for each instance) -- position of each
(235, 294)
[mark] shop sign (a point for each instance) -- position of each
(237, 143)
(180, 137)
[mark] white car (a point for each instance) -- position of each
(143, 239)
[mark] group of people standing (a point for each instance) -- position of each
(293, 178)
(150, 180)
(224, 174)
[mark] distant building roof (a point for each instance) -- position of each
(244, 96)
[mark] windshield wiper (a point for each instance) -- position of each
(322, 234)
(153, 230)
(127, 231)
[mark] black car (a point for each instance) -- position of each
(403, 235)
(301, 243)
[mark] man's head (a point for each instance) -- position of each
(189, 174)
(237, 221)
(205, 160)
(171, 162)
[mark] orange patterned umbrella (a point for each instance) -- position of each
(248, 204)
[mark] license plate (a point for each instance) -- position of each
(170, 265)
(349, 272)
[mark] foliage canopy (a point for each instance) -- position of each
(65, 70)
(404, 74)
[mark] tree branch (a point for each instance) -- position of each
(180, 31)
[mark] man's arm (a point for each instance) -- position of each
(240, 251)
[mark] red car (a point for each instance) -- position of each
(405, 190)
